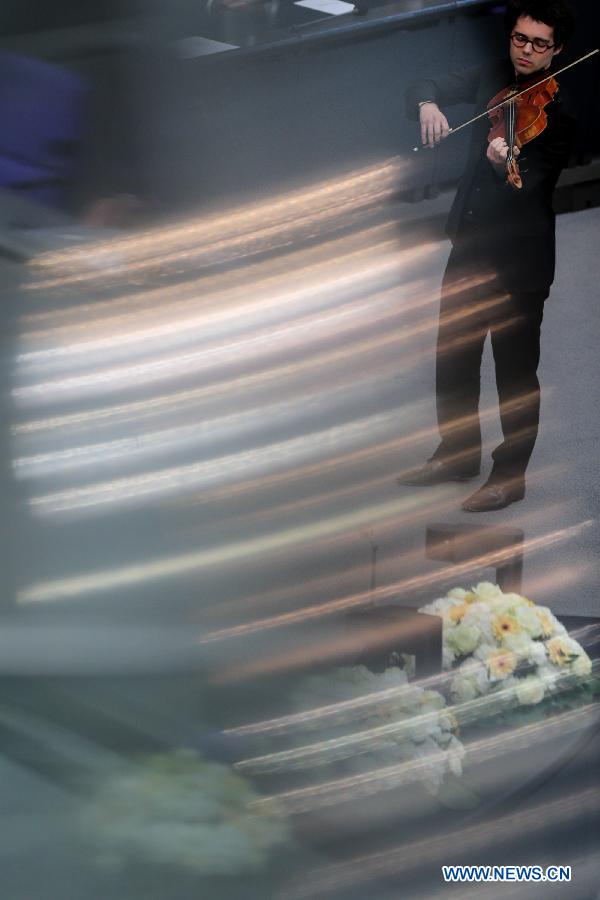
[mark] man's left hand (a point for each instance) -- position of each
(497, 152)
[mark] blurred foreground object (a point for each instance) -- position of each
(42, 111)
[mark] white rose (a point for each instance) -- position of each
(536, 653)
(434, 763)
(549, 676)
(438, 607)
(479, 614)
(431, 700)
(557, 627)
(573, 646)
(463, 689)
(392, 677)
(478, 674)
(456, 754)
(519, 644)
(487, 591)
(529, 690)
(582, 666)
(423, 726)
(484, 650)
(447, 657)
(464, 638)
(529, 621)
(457, 594)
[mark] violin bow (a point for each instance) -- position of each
(514, 97)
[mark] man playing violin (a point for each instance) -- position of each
(501, 264)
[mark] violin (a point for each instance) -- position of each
(518, 117)
(525, 117)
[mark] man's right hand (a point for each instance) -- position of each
(434, 124)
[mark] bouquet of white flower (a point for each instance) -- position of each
(178, 808)
(366, 720)
(493, 640)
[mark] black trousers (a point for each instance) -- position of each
(474, 303)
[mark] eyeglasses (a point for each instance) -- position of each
(538, 44)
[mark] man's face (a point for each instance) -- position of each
(527, 59)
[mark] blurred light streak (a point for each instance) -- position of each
(168, 403)
(165, 482)
(285, 658)
(225, 298)
(561, 575)
(299, 589)
(344, 711)
(234, 427)
(565, 811)
(97, 382)
(339, 712)
(266, 225)
(297, 336)
(543, 541)
(310, 330)
(296, 307)
(341, 790)
(223, 307)
(180, 478)
(366, 740)
(373, 452)
(374, 308)
(335, 749)
(180, 564)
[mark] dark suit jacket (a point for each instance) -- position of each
(519, 224)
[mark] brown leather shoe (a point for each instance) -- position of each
(495, 495)
(435, 471)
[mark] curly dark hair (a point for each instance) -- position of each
(558, 14)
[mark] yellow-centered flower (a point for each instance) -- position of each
(502, 663)
(505, 625)
(559, 652)
(545, 621)
(457, 613)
